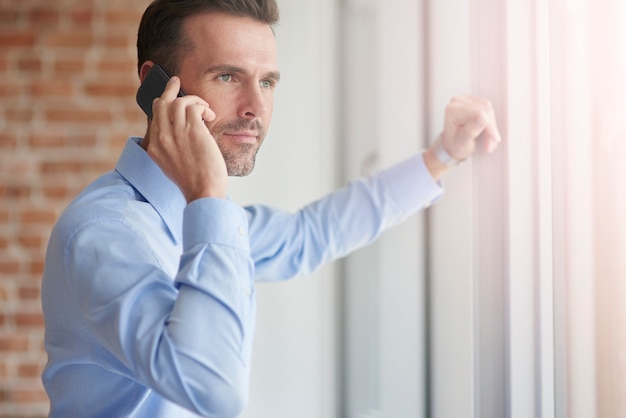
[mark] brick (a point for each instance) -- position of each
(81, 17)
(119, 66)
(117, 142)
(57, 87)
(70, 141)
(30, 241)
(9, 89)
(115, 41)
(135, 115)
(82, 140)
(60, 167)
(78, 115)
(36, 216)
(28, 395)
(46, 140)
(17, 39)
(127, 5)
(9, 267)
(19, 167)
(8, 17)
(23, 115)
(29, 319)
(29, 64)
(69, 39)
(15, 191)
(43, 17)
(35, 267)
(29, 292)
(111, 90)
(127, 18)
(30, 370)
(98, 167)
(69, 67)
(57, 192)
(8, 141)
(13, 342)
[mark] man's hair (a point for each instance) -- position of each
(161, 37)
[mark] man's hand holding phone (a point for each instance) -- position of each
(179, 141)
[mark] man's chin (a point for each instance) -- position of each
(240, 170)
(237, 174)
(240, 160)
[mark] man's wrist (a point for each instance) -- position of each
(435, 167)
(442, 153)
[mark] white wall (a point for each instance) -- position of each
(475, 321)
(369, 89)
(384, 294)
(294, 353)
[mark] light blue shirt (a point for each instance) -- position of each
(149, 302)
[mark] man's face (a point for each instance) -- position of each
(232, 65)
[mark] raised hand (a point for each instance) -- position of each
(466, 119)
(179, 141)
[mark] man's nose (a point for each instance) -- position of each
(253, 103)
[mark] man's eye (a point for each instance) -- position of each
(267, 84)
(225, 77)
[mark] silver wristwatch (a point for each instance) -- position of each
(443, 155)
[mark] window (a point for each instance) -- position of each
(523, 272)
(544, 241)
(507, 298)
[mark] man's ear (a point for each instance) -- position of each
(145, 67)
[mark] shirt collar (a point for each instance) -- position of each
(136, 166)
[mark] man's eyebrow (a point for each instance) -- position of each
(274, 75)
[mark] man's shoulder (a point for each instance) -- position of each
(106, 199)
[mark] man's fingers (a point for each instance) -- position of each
(468, 114)
(491, 137)
(179, 112)
(472, 126)
(160, 105)
(171, 89)
(208, 114)
(467, 119)
(198, 112)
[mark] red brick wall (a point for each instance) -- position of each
(67, 85)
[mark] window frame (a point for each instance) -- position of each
(496, 221)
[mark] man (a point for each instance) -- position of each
(148, 291)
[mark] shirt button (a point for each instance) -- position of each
(248, 291)
(241, 230)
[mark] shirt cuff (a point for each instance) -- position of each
(216, 221)
(411, 184)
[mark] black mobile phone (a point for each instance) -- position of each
(152, 87)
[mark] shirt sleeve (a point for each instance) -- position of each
(286, 245)
(190, 342)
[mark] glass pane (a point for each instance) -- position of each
(589, 64)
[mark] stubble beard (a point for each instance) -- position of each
(239, 158)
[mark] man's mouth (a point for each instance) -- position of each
(247, 137)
